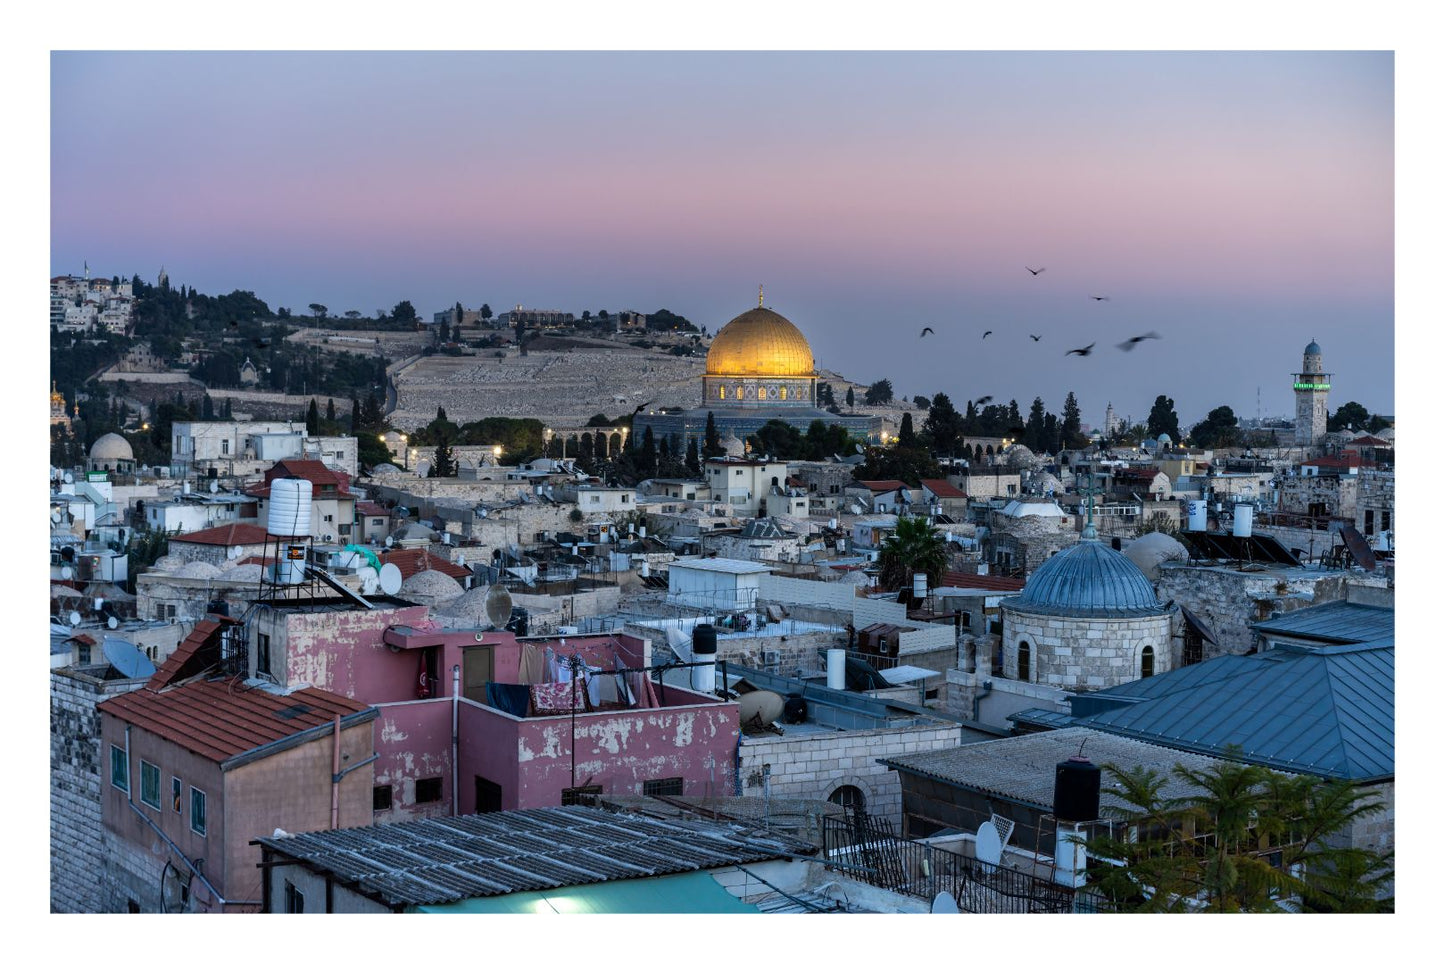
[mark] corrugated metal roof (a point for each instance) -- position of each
(694, 893)
(219, 720)
(1328, 712)
(1338, 621)
(541, 851)
(738, 566)
(1021, 768)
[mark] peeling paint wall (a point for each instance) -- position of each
(414, 742)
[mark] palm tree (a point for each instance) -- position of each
(915, 546)
(1244, 839)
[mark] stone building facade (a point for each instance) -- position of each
(1375, 506)
(1086, 653)
(814, 765)
(76, 839)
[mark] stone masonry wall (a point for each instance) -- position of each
(1084, 653)
(813, 765)
(77, 773)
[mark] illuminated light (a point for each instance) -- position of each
(1315, 386)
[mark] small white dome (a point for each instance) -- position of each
(111, 448)
(431, 587)
(1017, 510)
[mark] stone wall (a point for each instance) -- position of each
(1377, 493)
(813, 765)
(1337, 492)
(78, 770)
(1228, 600)
(1084, 653)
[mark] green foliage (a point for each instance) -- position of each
(908, 465)
(404, 313)
(1210, 849)
(146, 546)
(444, 463)
(825, 395)
(943, 427)
(780, 440)
(849, 398)
(879, 393)
(664, 320)
(1163, 420)
(1356, 415)
(1220, 429)
(915, 546)
(921, 401)
(1071, 434)
(712, 446)
(907, 437)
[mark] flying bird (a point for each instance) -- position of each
(1082, 351)
(641, 407)
(926, 331)
(984, 401)
(1129, 345)
(1036, 337)
(987, 333)
(1099, 297)
(1034, 271)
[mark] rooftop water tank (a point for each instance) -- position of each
(290, 511)
(1076, 790)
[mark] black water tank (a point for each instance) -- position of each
(795, 708)
(219, 607)
(1117, 543)
(1076, 790)
(704, 639)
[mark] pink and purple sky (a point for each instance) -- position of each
(1239, 204)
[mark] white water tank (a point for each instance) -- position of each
(290, 510)
(920, 585)
(1198, 515)
(1243, 520)
(291, 568)
(837, 669)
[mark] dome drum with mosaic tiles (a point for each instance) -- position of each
(759, 359)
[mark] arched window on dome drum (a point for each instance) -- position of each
(1024, 660)
(1146, 662)
(722, 392)
(783, 393)
(740, 392)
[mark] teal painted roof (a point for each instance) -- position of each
(1334, 622)
(1088, 580)
(694, 893)
(1313, 348)
(1329, 712)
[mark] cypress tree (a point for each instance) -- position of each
(711, 442)
(331, 410)
(313, 419)
(694, 466)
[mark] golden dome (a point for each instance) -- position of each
(760, 342)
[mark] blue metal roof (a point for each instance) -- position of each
(1334, 622)
(1086, 580)
(1328, 712)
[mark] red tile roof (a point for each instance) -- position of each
(220, 719)
(231, 534)
(1345, 461)
(413, 561)
(188, 658)
(880, 485)
(943, 489)
(1370, 440)
(370, 508)
(968, 580)
(311, 469)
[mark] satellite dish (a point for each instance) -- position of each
(111, 622)
(403, 511)
(944, 904)
(498, 606)
(55, 517)
(69, 478)
(66, 572)
(988, 847)
(215, 486)
(482, 513)
(75, 619)
(389, 542)
(127, 658)
(858, 447)
(390, 579)
(759, 707)
(99, 604)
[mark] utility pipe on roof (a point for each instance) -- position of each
(456, 695)
(336, 772)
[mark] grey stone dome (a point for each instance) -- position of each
(111, 447)
(1091, 581)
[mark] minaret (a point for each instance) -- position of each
(1111, 421)
(1311, 398)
